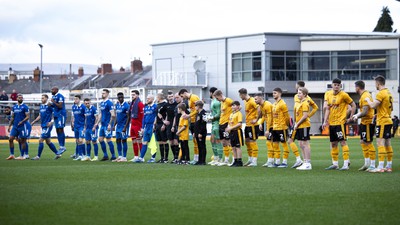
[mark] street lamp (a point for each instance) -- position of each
(41, 64)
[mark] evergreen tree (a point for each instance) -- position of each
(385, 22)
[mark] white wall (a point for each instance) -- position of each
(180, 57)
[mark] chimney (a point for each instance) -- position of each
(80, 72)
(36, 74)
(98, 70)
(106, 68)
(136, 66)
(121, 69)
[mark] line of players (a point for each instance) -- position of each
(51, 113)
(170, 120)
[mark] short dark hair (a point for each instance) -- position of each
(336, 81)
(259, 95)
(86, 100)
(380, 79)
(301, 83)
(237, 103)
(78, 96)
(45, 95)
(217, 93)
(120, 94)
(199, 103)
(170, 92)
(182, 106)
(213, 89)
(360, 84)
(106, 90)
(183, 91)
(243, 91)
(278, 90)
(7, 107)
(135, 91)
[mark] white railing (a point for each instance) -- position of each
(181, 79)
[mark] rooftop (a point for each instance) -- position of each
(297, 33)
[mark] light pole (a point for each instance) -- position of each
(41, 64)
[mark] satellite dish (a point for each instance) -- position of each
(199, 65)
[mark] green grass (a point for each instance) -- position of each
(70, 192)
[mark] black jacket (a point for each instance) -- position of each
(200, 126)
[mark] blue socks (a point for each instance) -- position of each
(104, 148)
(119, 148)
(53, 148)
(27, 148)
(81, 149)
(124, 148)
(143, 151)
(40, 149)
(88, 149)
(96, 149)
(61, 139)
(111, 146)
(23, 151)
(12, 151)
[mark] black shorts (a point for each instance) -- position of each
(222, 133)
(384, 131)
(279, 135)
(366, 132)
(236, 137)
(269, 138)
(337, 133)
(171, 135)
(301, 134)
(251, 132)
(161, 135)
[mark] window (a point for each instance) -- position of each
(246, 67)
(284, 65)
(348, 65)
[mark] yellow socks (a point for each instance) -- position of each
(254, 148)
(381, 153)
(294, 148)
(372, 152)
(226, 151)
(335, 153)
(195, 147)
(270, 150)
(346, 153)
(277, 151)
(389, 152)
(249, 149)
(285, 150)
(365, 149)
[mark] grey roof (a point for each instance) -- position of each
(299, 33)
(25, 86)
(120, 79)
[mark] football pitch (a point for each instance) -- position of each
(71, 192)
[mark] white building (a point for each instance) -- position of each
(261, 62)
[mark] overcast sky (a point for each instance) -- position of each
(97, 31)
